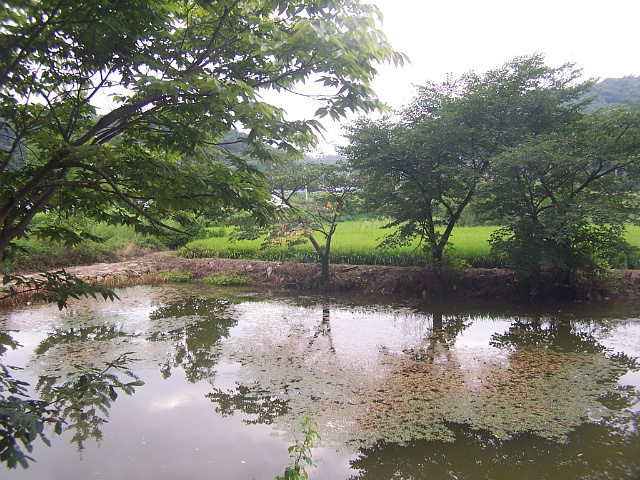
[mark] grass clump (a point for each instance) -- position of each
(176, 276)
(228, 279)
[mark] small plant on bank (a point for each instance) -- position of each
(301, 453)
(228, 279)
(176, 276)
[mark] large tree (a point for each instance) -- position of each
(423, 166)
(169, 77)
(564, 199)
(104, 103)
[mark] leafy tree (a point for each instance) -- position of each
(564, 199)
(181, 74)
(423, 167)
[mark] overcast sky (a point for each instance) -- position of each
(456, 36)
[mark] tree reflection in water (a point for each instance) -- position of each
(600, 448)
(546, 382)
(79, 393)
(82, 398)
(81, 335)
(594, 451)
(403, 388)
(251, 400)
(78, 400)
(203, 324)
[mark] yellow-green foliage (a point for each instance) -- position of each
(633, 235)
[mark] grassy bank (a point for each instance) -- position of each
(118, 243)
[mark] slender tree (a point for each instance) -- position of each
(329, 189)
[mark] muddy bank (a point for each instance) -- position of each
(471, 283)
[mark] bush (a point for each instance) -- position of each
(216, 232)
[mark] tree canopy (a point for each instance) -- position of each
(564, 199)
(424, 166)
(179, 75)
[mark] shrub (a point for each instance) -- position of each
(216, 232)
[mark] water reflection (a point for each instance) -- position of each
(80, 335)
(77, 402)
(410, 391)
(202, 326)
(258, 404)
(593, 451)
(540, 375)
(440, 337)
(323, 330)
(554, 333)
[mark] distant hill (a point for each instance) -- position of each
(326, 159)
(613, 92)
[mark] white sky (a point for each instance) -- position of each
(456, 36)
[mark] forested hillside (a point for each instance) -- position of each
(617, 91)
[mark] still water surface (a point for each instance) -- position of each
(399, 390)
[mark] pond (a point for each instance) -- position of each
(400, 389)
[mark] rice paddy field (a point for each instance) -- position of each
(356, 242)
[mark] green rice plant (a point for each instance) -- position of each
(228, 279)
(470, 247)
(355, 242)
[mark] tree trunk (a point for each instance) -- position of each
(324, 263)
(436, 259)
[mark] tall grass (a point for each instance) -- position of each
(118, 243)
(355, 242)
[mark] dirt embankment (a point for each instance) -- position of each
(479, 283)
